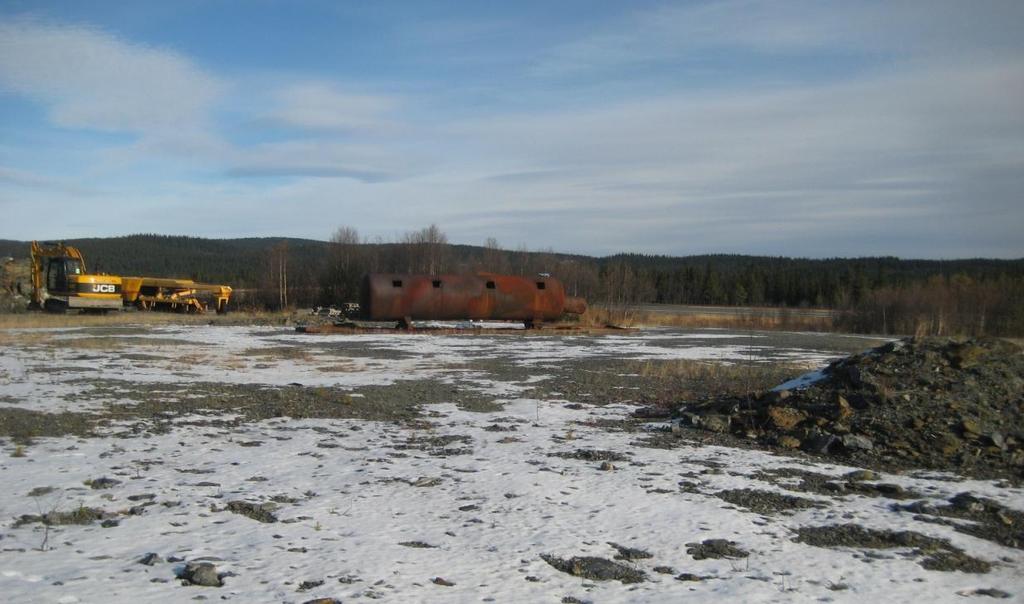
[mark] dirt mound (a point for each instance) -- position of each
(929, 403)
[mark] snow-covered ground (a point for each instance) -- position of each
(482, 495)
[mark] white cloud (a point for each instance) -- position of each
(93, 80)
(890, 161)
(680, 32)
(318, 158)
(321, 106)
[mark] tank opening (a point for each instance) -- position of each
(437, 283)
(490, 285)
(396, 283)
(541, 285)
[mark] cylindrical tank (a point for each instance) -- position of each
(485, 296)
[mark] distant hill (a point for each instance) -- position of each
(319, 272)
(220, 260)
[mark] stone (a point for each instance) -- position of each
(789, 442)
(785, 418)
(949, 444)
(853, 375)
(998, 440)
(688, 577)
(965, 355)
(856, 442)
(843, 409)
(201, 573)
(262, 512)
(970, 428)
(607, 466)
(861, 475)
(308, 585)
(821, 444)
(150, 559)
(716, 423)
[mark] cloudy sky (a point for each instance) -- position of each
(806, 128)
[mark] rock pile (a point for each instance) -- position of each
(915, 403)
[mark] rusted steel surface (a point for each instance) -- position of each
(486, 296)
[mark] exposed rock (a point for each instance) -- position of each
(594, 568)
(715, 422)
(855, 442)
(150, 559)
(785, 418)
(102, 483)
(81, 515)
(766, 502)
(442, 581)
(715, 548)
(939, 553)
(689, 577)
(262, 512)
(789, 442)
(310, 584)
(629, 553)
(591, 455)
(418, 544)
(980, 517)
(930, 403)
(201, 573)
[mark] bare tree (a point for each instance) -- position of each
(495, 260)
(339, 281)
(281, 266)
(424, 251)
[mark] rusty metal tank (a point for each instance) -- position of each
(484, 296)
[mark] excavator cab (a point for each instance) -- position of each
(59, 271)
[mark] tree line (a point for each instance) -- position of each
(877, 295)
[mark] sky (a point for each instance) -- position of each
(809, 128)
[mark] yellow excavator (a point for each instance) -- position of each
(60, 282)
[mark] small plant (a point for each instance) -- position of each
(19, 451)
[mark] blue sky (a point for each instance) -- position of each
(805, 128)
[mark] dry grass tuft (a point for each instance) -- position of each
(598, 316)
(32, 320)
(690, 378)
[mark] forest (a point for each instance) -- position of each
(876, 294)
